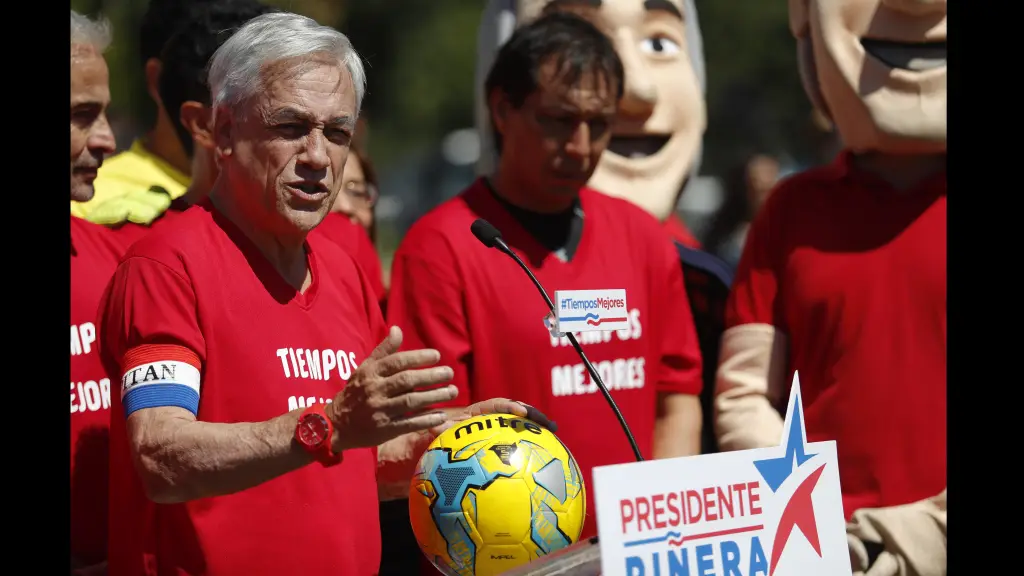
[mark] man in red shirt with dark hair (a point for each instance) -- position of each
(554, 90)
(94, 255)
(843, 278)
(258, 419)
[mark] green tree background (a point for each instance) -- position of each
(420, 56)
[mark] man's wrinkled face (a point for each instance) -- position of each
(881, 68)
(91, 135)
(662, 118)
(286, 149)
(554, 141)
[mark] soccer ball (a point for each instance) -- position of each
(494, 492)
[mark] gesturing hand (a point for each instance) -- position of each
(385, 396)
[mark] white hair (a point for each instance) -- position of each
(234, 74)
(95, 33)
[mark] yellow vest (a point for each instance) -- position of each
(131, 186)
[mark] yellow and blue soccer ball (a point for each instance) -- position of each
(495, 492)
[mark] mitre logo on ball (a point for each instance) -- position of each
(762, 512)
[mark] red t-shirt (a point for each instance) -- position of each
(678, 231)
(854, 273)
(263, 349)
(94, 256)
(483, 314)
(127, 233)
(353, 239)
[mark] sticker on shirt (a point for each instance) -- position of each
(590, 311)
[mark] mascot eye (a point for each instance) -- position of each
(659, 45)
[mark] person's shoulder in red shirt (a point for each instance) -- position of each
(354, 240)
(94, 256)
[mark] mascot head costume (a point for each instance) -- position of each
(877, 69)
(656, 142)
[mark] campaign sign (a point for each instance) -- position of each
(590, 310)
(762, 512)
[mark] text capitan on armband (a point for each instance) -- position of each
(161, 372)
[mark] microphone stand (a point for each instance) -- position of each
(502, 246)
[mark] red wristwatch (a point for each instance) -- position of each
(314, 432)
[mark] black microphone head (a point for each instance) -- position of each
(485, 232)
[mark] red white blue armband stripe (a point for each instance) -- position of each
(160, 375)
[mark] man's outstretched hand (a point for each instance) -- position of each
(397, 458)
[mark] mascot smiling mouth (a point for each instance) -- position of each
(918, 57)
(637, 145)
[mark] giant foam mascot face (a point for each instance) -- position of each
(656, 142)
(877, 68)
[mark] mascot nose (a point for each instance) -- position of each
(641, 94)
(917, 7)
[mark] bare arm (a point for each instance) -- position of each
(678, 425)
(181, 459)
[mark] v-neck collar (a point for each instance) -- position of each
(533, 252)
(272, 279)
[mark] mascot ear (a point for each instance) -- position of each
(799, 25)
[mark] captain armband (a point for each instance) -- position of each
(160, 375)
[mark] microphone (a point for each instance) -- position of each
(489, 236)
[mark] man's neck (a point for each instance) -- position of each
(162, 141)
(901, 171)
(200, 186)
(287, 254)
(506, 183)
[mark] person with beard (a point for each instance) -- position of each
(94, 256)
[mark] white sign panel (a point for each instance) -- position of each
(763, 512)
(590, 310)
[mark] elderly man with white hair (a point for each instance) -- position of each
(94, 256)
(258, 420)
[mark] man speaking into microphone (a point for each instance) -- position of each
(553, 93)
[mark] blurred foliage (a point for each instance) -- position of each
(420, 57)
(755, 99)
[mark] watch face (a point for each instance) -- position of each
(313, 430)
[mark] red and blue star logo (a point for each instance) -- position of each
(799, 510)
